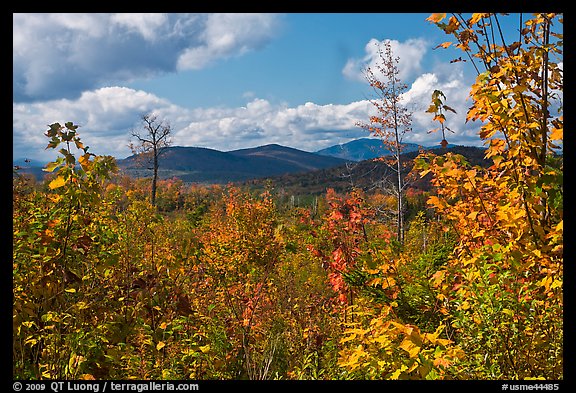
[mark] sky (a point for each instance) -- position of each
(227, 81)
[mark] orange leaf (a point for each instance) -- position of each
(557, 134)
(443, 45)
(436, 17)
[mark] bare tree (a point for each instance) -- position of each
(153, 137)
(391, 123)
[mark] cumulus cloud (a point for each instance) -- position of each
(449, 78)
(61, 55)
(107, 115)
(145, 24)
(452, 82)
(228, 35)
(308, 126)
(411, 52)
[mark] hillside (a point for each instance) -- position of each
(365, 174)
(363, 149)
(195, 164)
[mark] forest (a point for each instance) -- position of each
(462, 281)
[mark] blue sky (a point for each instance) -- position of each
(225, 81)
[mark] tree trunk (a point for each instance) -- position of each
(154, 177)
(400, 229)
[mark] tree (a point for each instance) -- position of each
(152, 140)
(506, 274)
(391, 123)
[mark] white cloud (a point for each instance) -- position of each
(227, 35)
(145, 24)
(61, 55)
(410, 53)
(106, 116)
(451, 81)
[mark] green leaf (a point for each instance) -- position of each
(70, 159)
(71, 126)
(53, 131)
(54, 142)
(52, 165)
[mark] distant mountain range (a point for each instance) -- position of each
(368, 175)
(366, 149)
(203, 165)
(195, 164)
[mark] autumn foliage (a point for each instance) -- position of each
(221, 282)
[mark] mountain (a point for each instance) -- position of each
(196, 164)
(367, 175)
(284, 159)
(29, 167)
(366, 149)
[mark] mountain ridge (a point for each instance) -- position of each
(215, 166)
(367, 148)
(206, 165)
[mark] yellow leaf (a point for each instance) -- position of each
(160, 345)
(163, 325)
(71, 290)
(399, 371)
(443, 341)
(409, 346)
(546, 282)
(204, 348)
(472, 215)
(557, 134)
(349, 338)
(556, 284)
(81, 305)
(84, 159)
(476, 17)
(436, 17)
(56, 183)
